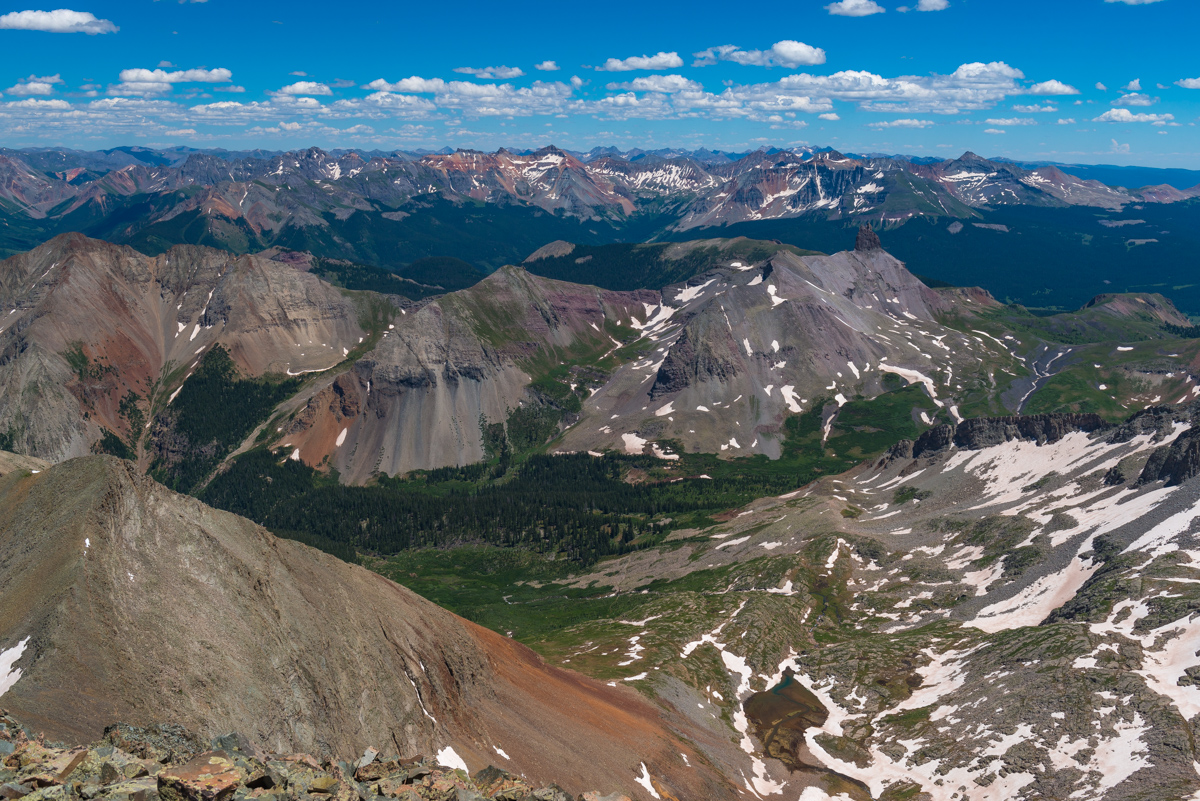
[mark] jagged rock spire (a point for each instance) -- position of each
(867, 239)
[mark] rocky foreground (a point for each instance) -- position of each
(168, 763)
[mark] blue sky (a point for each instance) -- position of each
(1087, 81)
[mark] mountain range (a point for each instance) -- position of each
(603, 485)
(255, 201)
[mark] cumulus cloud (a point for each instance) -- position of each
(34, 85)
(657, 83)
(993, 131)
(1010, 121)
(1134, 99)
(1068, 121)
(832, 117)
(306, 88)
(970, 87)
(34, 103)
(1133, 86)
(786, 53)
(473, 99)
(1052, 88)
(412, 84)
(905, 123)
(854, 8)
(1035, 108)
(546, 66)
(492, 73)
(659, 61)
(219, 75)
(1189, 83)
(933, 5)
(146, 82)
(1125, 115)
(1101, 87)
(59, 21)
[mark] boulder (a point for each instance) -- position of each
(211, 776)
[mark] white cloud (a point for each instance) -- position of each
(906, 123)
(1134, 99)
(1118, 147)
(546, 66)
(219, 75)
(181, 132)
(472, 99)
(1067, 121)
(33, 85)
(1101, 87)
(659, 61)
(933, 5)
(830, 116)
(576, 81)
(1010, 121)
(59, 21)
(1189, 83)
(854, 8)
(971, 86)
(1035, 109)
(1125, 115)
(657, 83)
(1133, 86)
(412, 84)
(993, 131)
(34, 103)
(1052, 88)
(786, 53)
(147, 83)
(306, 88)
(492, 73)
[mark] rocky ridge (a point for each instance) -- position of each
(121, 600)
(165, 762)
(92, 324)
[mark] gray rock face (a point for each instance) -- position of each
(686, 364)
(1175, 463)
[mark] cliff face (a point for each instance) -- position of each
(127, 602)
(416, 400)
(90, 323)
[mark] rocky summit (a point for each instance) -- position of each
(166, 762)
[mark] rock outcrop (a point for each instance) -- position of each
(867, 240)
(1174, 463)
(168, 763)
(984, 432)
